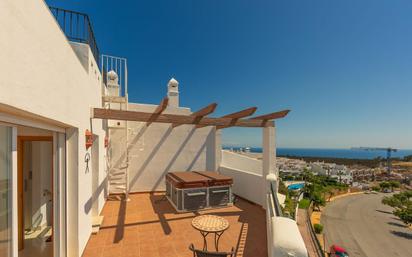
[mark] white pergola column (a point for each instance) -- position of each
(218, 148)
(268, 158)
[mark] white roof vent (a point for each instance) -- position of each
(173, 84)
(113, 83)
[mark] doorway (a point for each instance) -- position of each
(35, 196)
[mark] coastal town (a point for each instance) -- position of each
(357, 173)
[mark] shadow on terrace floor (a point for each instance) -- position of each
(143, 227)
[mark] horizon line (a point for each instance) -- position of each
(317, 148)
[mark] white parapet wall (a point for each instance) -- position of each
(286, 239)
(245, 184)
(241, 162)
(246, 173)
(283, 235)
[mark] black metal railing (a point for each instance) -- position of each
(77, 28)
(314, 238)
(278, 209)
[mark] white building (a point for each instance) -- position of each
(318, 168)
(292, 166)
(59, 160)
(339, 172)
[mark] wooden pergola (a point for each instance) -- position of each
(201, 119)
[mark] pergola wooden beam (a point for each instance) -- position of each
(100, 113)
(198, 115)
(272, 116)
(267, 119)
(162, 106)
(159, 109)
(237, 115)
(242, 113)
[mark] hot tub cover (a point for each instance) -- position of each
(187, 179)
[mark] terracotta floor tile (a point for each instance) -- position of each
(143, 228)
(110, 251)
(93, 252)
(149, 250)
(130, 251)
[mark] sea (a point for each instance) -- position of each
(331, 153)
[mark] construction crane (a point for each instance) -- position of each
(388, 150)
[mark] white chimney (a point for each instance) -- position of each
(113, 83)
(173, 92)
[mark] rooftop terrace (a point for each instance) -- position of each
(145, 227)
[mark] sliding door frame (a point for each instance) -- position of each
(59, 184)
(20, 160)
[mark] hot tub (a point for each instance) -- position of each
(195, 190)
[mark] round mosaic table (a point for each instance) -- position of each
(207, 224)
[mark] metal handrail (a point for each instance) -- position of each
(118, 65)
(77, 28)
(312, 233)
(278, 209)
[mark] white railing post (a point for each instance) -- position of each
(268, 174)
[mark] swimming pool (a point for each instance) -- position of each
(296, 186)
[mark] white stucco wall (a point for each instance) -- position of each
(158, 148)
(42, 75)
(245, 184)
(246, 173)
(241, 162)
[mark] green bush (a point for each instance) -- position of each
(283, 189)
(304, 203)
(318, 228)
(384, 185)
(402, 204)
(290, 206)
(376, 188)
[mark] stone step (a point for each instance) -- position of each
(96, 223)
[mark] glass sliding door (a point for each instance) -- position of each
(5, 190)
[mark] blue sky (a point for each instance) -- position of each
(343, 67)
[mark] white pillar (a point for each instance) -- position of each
(268, 158)
(268, 170)
(218, 148)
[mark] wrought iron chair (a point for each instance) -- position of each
(201, 253)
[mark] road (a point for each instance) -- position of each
(365, 227)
